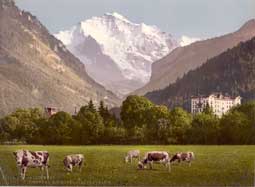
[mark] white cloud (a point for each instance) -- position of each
(185, 40)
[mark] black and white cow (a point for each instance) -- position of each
(32, 159)
(155, 157)
(132, 154)
(73, 160)
(188, 157)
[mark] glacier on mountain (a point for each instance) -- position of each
(117, 52)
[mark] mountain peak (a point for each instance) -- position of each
(117, 16)
(248, 25)
(130, 47)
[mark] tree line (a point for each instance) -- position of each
(140, 122)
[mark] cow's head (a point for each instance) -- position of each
(175, 157)
(18, 156)
(191, 155)
(67, 165)
(140, 165)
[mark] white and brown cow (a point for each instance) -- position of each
(188, 157)
(73, 160)
(155, 157)
(132, 154)
(32, 159)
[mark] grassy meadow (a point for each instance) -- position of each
(213, 165)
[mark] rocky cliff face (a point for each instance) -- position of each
(183, 59)
(37, 70)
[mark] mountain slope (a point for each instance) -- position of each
(184, 59)
(37, 70)
(232, 72)
(117, 52)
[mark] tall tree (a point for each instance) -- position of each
(92, 125)
(181, 123)
(108, 118)
(153, 116)
(133, 111)
(205, 129)
(21, 124)
(91, 106)
(234, 128)
(59, 126)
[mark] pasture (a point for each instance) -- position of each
(104, 165)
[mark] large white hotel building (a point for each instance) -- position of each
(219, 103)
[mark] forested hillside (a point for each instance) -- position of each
(232, 72)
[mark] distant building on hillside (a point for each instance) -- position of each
(49, 111)
(219, 103)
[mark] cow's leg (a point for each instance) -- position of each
(189, 161)
(19, 168)
(47, 172)
(165, 164)
(42, 168)
(80, 165)
(169, 166)
(23, 172)
(150, 164)
(131, 158)
(71, 168)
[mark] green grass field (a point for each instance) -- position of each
(214, 165)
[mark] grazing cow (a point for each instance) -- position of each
(32, 159)
(157, 157)
(132, 154)
(73, 160)
(188, 157)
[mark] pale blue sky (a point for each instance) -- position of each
(194, 18)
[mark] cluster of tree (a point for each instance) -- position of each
(89, 126)
(141, 122)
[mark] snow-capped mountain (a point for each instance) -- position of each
(117, 53)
